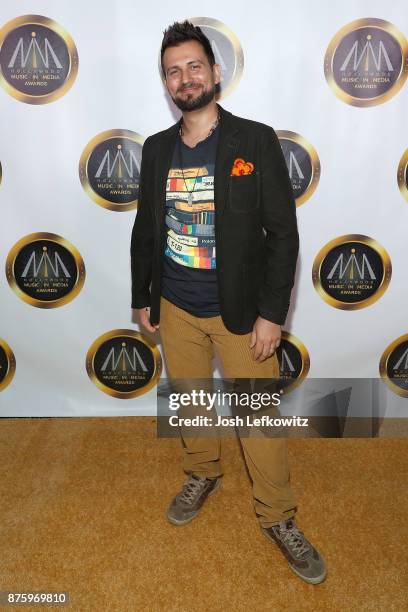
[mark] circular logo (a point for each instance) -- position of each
(351, 272)
(294, 362)
(402, 175)
(38, 59)
(366, 62)
(109, 169)
(7, 364)
(123, 363)
(227, 52)
(303, 164)
(394, 366)
(45, 270)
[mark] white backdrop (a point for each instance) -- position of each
(118, 86)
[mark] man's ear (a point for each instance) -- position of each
(217, 73)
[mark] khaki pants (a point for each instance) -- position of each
(189, 343)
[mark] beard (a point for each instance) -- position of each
(191, 103)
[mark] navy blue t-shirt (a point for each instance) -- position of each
(189, 270)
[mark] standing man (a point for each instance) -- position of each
(213, 254)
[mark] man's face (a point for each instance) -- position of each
(190, 80)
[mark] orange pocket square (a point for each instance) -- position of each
(241, 167)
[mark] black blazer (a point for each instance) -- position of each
(256, 233)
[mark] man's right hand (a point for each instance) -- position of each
(144, 319)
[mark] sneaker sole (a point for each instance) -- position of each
(316, 580)
(177, 522)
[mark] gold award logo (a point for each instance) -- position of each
(366, 62)
(402, 175)
(351, 272)
(38, 59)
(303, 164)
(124, 363)
(227, 52)
(109, 169)
(394, 366)
(45, 270)
(294, 362)
(7, 364)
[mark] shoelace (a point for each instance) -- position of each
(295, 539)
(191, 488)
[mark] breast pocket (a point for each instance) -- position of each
(244, 192)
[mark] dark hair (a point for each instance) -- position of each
(181, 32)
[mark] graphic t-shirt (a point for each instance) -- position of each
(189, 271)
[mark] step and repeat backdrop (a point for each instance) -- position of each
(80, 90)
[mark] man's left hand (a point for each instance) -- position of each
(265, 339)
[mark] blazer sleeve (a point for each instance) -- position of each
(278, 210)
(141, 246)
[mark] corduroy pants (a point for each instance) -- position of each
(189, 345)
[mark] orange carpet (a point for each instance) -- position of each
(83, 505)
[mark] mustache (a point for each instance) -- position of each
(188, 86)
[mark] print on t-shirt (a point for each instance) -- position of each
(189, 275)
(190, 225)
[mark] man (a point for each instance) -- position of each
(213, 253)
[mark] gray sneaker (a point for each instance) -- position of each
(302, 557)
(187, 503)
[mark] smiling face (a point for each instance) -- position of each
(190, 79)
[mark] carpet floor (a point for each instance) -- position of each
(83, 504)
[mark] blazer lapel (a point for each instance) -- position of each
(163, 161)
(228, 142)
